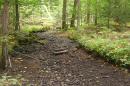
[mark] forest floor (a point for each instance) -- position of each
(61, 62)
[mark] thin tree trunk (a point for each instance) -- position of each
(5, 14)
(96, 14)
(109, 13)
(64, 13)
(88, 11)
(17, 25)
(78, 14)
(88, 17)
(74, 14)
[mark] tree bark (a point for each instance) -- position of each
(64, 13)
(109, 13)
(96, 13)
(74, 14)
(88, 11)
(17, 25)
(5, 13)
(78, 14)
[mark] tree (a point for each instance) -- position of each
(109, 13)
(5, 13)
(74, 14)
(64, 12)
(88, 11)
(17, 25)
(120, 13)
(78, 14)
(96, 12)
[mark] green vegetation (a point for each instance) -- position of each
(35, 28)
(100, 26)
(10, 81)
(113, 46)
(108, 22)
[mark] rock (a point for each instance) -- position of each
(67, 80)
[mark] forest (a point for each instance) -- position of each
(64, 43)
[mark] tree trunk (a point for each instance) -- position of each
(88, 11)
(96, 14)
(88, 17)
(17, 25)
(74, 14)
(109, 13)
(64, 13)
(5, 13)
(78, 14)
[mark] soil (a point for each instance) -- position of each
(59, 61)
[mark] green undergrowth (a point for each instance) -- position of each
(10, 41)
(113, 46)
(11, 81)
(35, 28)
(27, 36)
(17, 39)
(24, 38)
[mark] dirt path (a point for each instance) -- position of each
(60, 62)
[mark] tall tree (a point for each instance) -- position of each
(96, 12)
(109, 13)
(64, 14)
(17, 25)
(88, 11)
(74, 14)
(5, 13)
(78, 14)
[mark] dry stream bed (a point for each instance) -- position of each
(61, 62)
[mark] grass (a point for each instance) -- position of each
(113, 46)
(34, 28)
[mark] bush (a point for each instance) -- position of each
(23, 38)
